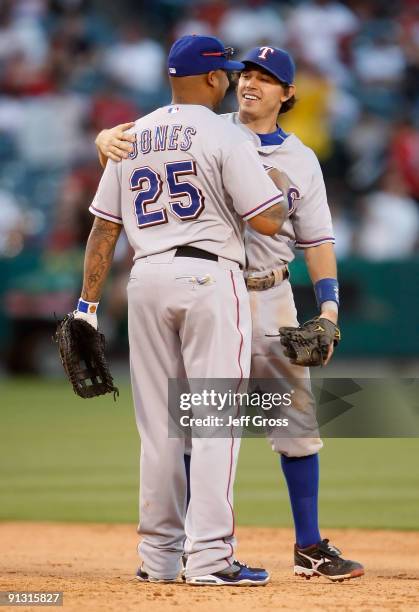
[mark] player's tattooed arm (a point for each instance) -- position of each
(270, 221)
(98, 257)
(114, 143)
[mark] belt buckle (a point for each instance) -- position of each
(261, 283)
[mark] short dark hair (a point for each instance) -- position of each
(288, 104)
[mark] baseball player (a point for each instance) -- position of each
(182, 196)
(265, 90)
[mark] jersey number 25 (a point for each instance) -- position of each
(148, 185)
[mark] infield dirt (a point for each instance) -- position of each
(94, 565)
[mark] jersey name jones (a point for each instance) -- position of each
(165, 138)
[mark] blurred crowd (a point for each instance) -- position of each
(69, 68)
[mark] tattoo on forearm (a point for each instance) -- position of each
(276, 214)
(98, 258)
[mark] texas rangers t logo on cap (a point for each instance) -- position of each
(274, 60)
(264, 51)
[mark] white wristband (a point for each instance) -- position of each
(87, 307)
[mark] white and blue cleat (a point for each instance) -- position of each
(238, 574)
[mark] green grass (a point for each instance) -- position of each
(63, 458)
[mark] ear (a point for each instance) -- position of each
(212, 78)
(289, 94)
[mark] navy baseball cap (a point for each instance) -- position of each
(276, 61)
(191, 55)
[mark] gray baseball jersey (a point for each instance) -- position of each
(309, 224)
(309, 221)
(191, 180)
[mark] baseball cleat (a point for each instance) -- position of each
(238, 574)
(323, 559)
(143, 576)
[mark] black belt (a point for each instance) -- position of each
(190, 251)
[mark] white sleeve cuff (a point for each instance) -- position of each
(277, 199)
(105, 215)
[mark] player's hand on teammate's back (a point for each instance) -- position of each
(115, 143)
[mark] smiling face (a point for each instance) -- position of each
(259, 93)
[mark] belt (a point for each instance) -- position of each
(190, 251)
(275, 277)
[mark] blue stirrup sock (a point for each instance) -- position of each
(302, 476)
